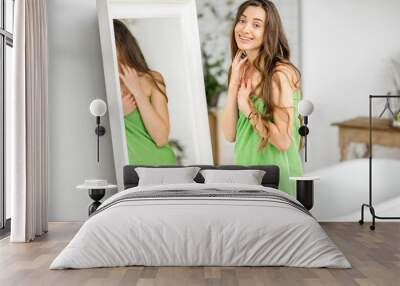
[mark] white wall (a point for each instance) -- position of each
(75, 79)
(346, 45)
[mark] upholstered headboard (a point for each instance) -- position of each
(270, 179)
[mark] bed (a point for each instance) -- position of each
(201, 224)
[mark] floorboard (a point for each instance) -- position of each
(374, 255)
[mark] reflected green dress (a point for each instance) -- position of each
(248, 153)
(142, 150)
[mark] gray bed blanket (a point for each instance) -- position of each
(201, 224)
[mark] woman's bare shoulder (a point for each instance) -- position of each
(157, 75)
(149, 80)
(148, 76)
(286, 73)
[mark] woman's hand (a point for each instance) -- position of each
(131, 80)
(244, 92)
(237, 72)
(128, 104)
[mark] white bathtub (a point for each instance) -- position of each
(343, 187)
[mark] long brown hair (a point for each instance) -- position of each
(273, 53)
(131, 54)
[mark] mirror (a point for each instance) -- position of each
(154, 82)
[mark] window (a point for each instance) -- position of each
(6, 44)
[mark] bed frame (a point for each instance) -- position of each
(270, 179)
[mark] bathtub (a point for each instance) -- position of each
(343, 187)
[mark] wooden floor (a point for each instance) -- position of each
(375, 257)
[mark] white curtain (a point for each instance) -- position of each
(27, 124)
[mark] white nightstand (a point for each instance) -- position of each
(96, 193)
(305, 190)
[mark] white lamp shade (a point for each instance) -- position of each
(305, 107)
(98, 107)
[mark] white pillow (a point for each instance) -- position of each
(162, 176)
(248, 177)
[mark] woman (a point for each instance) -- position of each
(144, 102)
(260, 114)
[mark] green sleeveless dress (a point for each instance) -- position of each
(142, 150)
(248, 153)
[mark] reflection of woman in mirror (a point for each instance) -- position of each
(260, 114)
(144, 103)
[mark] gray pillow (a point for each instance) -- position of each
(162, 176)
(248, 177)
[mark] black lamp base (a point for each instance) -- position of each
(96, 195)
(100, 130)
(303, 130)
(305, 193)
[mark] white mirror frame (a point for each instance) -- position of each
(185, 11)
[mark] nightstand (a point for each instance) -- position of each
(96, 193)
(305, 190)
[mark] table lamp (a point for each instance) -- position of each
(98, 108)
(305, 109)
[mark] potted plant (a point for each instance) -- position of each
(178, 150)
(213, 70)
(214, 58)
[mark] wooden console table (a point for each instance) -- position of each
(356, 130)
